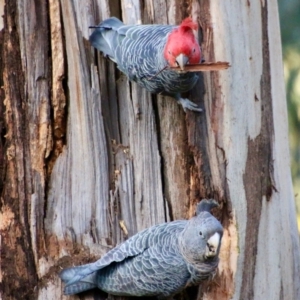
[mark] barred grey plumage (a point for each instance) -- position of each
(159, 261)
(138, 51)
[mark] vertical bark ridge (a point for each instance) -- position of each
(258, 172)
(18, 267)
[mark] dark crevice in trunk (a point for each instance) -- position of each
(58, 122)
(167, 204)
(198, 141)
(2, 119)
(115, 8)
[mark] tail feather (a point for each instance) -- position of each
(78, 287)
(87, 283)
(111, 23)
(105, 36)
(68, 274)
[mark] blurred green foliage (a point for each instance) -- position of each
(289, 11)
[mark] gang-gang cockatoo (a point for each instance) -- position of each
(145, 54)
(159, 261)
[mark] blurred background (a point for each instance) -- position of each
(289, 11)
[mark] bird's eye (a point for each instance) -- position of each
(200, 233)
(169, 51)
(194, 50)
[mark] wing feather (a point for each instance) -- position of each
(130, 248)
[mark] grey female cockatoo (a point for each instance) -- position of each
(159, 261)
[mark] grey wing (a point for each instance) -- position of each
(140, 54)
(132, 247)
(158, 270)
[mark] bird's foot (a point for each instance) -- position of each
(187, 104)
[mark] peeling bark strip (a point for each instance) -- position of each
(28, 144)
(2, 121)
(258, 177)
(18, 267)
(59, 89)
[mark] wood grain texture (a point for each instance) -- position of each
(207, 66)
(91, 158)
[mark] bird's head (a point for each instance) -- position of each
(201, 238)
(182, 47)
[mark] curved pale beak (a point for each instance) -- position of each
(212, 245)
(182, 60)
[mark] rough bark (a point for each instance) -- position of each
(88, 158)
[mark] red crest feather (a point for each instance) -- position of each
(188, 23)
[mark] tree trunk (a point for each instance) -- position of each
(89, 158)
